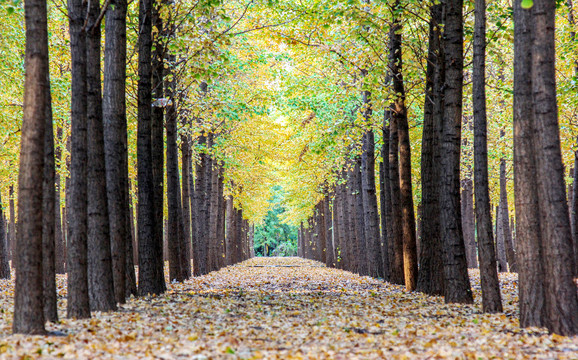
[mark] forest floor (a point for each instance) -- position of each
(288, 308)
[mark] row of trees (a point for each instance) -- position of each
(99, 241)
(545, 254)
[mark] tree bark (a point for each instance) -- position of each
(58, 233)
(505, 219)
(115, 139)
(150, 279)
(430, 277)
(49, 217)
(4, 258)
(397, 266)
(491, 297)
(558, 257)
(77, 268)
(28, 309)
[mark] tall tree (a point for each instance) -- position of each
(431, 278)
(100, 278)
(491, 297)
(49, 217)
(77, 213)
(558, 256)
(457, 286)
(150, 279)
(385, 200)
(396, 243)
(59, 238)
(115, 138)
(399, 112)
(28, 309)
(4, 258)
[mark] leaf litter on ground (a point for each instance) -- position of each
(288, 308)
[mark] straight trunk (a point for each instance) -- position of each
(385, 197)
(58, 234)
(468, 221)
(150, 279)
(505, 219)
(430, 277)
(457, 285)
(49, 218)
(500, 245)
(397, 266)
(28, 310)
(115, 138)
(77, 268)
(491, 297)
(4, 259)
(361, 252)
(558, 255)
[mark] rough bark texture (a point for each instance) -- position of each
(4, 258)
(59, 257)
(457, 286)
(100, 279)
(28, 311)
(430, 277)
(468, 221)
(150, 279)
(330, 252)
(491, 297)
(385, 197)
(505, 219)
(558, 257)
(115, 138)
(49, 218)
(186, 197)
(500, 244)
(397, 267)
(77, 301)
(371, 214)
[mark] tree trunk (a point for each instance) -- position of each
(500, 244)
(186, 195)
(329, 253)
(115, 138)
(360, 250)
(150, 279)
(369, 195)
(491, 297)
(431, 278)
(558, 257)
(76, 264)
(385, 201)
(4, 259)
(49, 217)
(468, 222)
(28, 310)
(397, 267)
(505, 219)
(12, 225)
(100, 279)
(58, 234)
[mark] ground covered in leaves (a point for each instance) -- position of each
(288, 308)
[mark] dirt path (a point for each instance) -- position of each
(290, 308)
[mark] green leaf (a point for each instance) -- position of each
(527, 4)
(229, 350)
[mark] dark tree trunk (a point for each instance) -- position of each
(49, 218)
(529, 237)
(329, 253)
(360, 254)
(468, 221)
(396, 253)
(200, 244)
(369, 195)
(221, 220)
(28, 309)
(500, 245)
(12, 225)
(558, 257)
(230, 232)
(491, 297)
(574, 212)
(213, 218)
(186, 197)
(457, 285)
(58, 234)
(100, 279)
(150, 279)
(505, 219)
(4, 258)
(115, 139)
(385, 198)
(430, 277)
(157, 127)
(76, 264)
